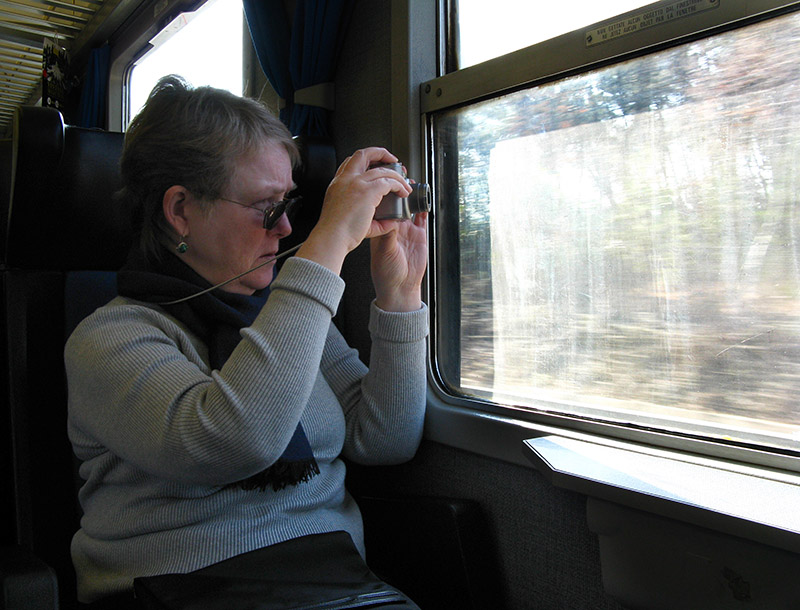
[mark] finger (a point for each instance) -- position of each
(390, 172)
(421, 219)
(380, 228)
(360, 161)
(389, 181)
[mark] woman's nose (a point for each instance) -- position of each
(282, 228)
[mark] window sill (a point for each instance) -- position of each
(745, 501)
(726, 497)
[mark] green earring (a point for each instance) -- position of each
(182, 247)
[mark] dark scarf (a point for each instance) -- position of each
(216, 318)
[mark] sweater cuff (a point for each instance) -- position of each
(312, 280)
(399, 327)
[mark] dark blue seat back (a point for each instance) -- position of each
(317, 169)
(62, 213)
(5, 192)
(65, 239)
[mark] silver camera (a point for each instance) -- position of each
(394, 207)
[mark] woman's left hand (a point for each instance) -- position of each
(399, 258)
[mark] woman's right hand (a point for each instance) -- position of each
(347, 215)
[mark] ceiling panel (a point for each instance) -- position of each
(24, 25)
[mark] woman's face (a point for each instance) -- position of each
(229, 238)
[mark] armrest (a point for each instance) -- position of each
(28, 582)
(436, 550)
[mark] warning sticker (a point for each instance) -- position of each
(648, 19)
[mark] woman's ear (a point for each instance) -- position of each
(174, 206)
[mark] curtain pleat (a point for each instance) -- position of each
(92, 106)
(300, 58)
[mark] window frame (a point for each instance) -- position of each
(469, 419)
(130, 42)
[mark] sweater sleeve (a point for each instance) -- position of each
(384, 406)
(140, 387)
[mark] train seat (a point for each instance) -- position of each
(5, 191)
(63, 243)
(65, 239)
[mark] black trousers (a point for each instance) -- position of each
(121, 601)
(322, 571)
(127, 601)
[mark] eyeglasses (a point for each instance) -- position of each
(273, 213)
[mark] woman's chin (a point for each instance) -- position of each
(260, 279)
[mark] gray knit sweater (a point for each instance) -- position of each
(160, 435)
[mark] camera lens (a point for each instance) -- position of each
(420, 198)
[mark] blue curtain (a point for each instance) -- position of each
(269, 30)
(304, 57)
(92, 107)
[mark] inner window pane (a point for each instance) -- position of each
(637, 234)
(491, 29)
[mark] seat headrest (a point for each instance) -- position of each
(5, 192)
(62, 211)
(317, 165)
(317, 169)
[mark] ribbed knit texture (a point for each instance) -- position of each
(160, 435)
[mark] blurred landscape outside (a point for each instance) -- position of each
(630, 239)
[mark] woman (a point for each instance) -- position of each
(214, 426)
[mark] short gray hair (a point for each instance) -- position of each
(192, 137)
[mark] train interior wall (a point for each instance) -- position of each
(536, 540)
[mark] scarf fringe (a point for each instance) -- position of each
(280, 475)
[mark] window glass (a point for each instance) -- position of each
(205, 47)
(627, 241)
(490, 29)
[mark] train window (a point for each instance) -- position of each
(204, 46)
(491, 29)
(620, 242)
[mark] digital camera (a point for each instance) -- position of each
(394, 207)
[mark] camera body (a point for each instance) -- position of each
(403, 208)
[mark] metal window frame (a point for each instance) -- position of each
(465, 422)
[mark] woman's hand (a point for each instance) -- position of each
(349, 207)
(399, 258)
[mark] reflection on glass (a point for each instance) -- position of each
(629, 239)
